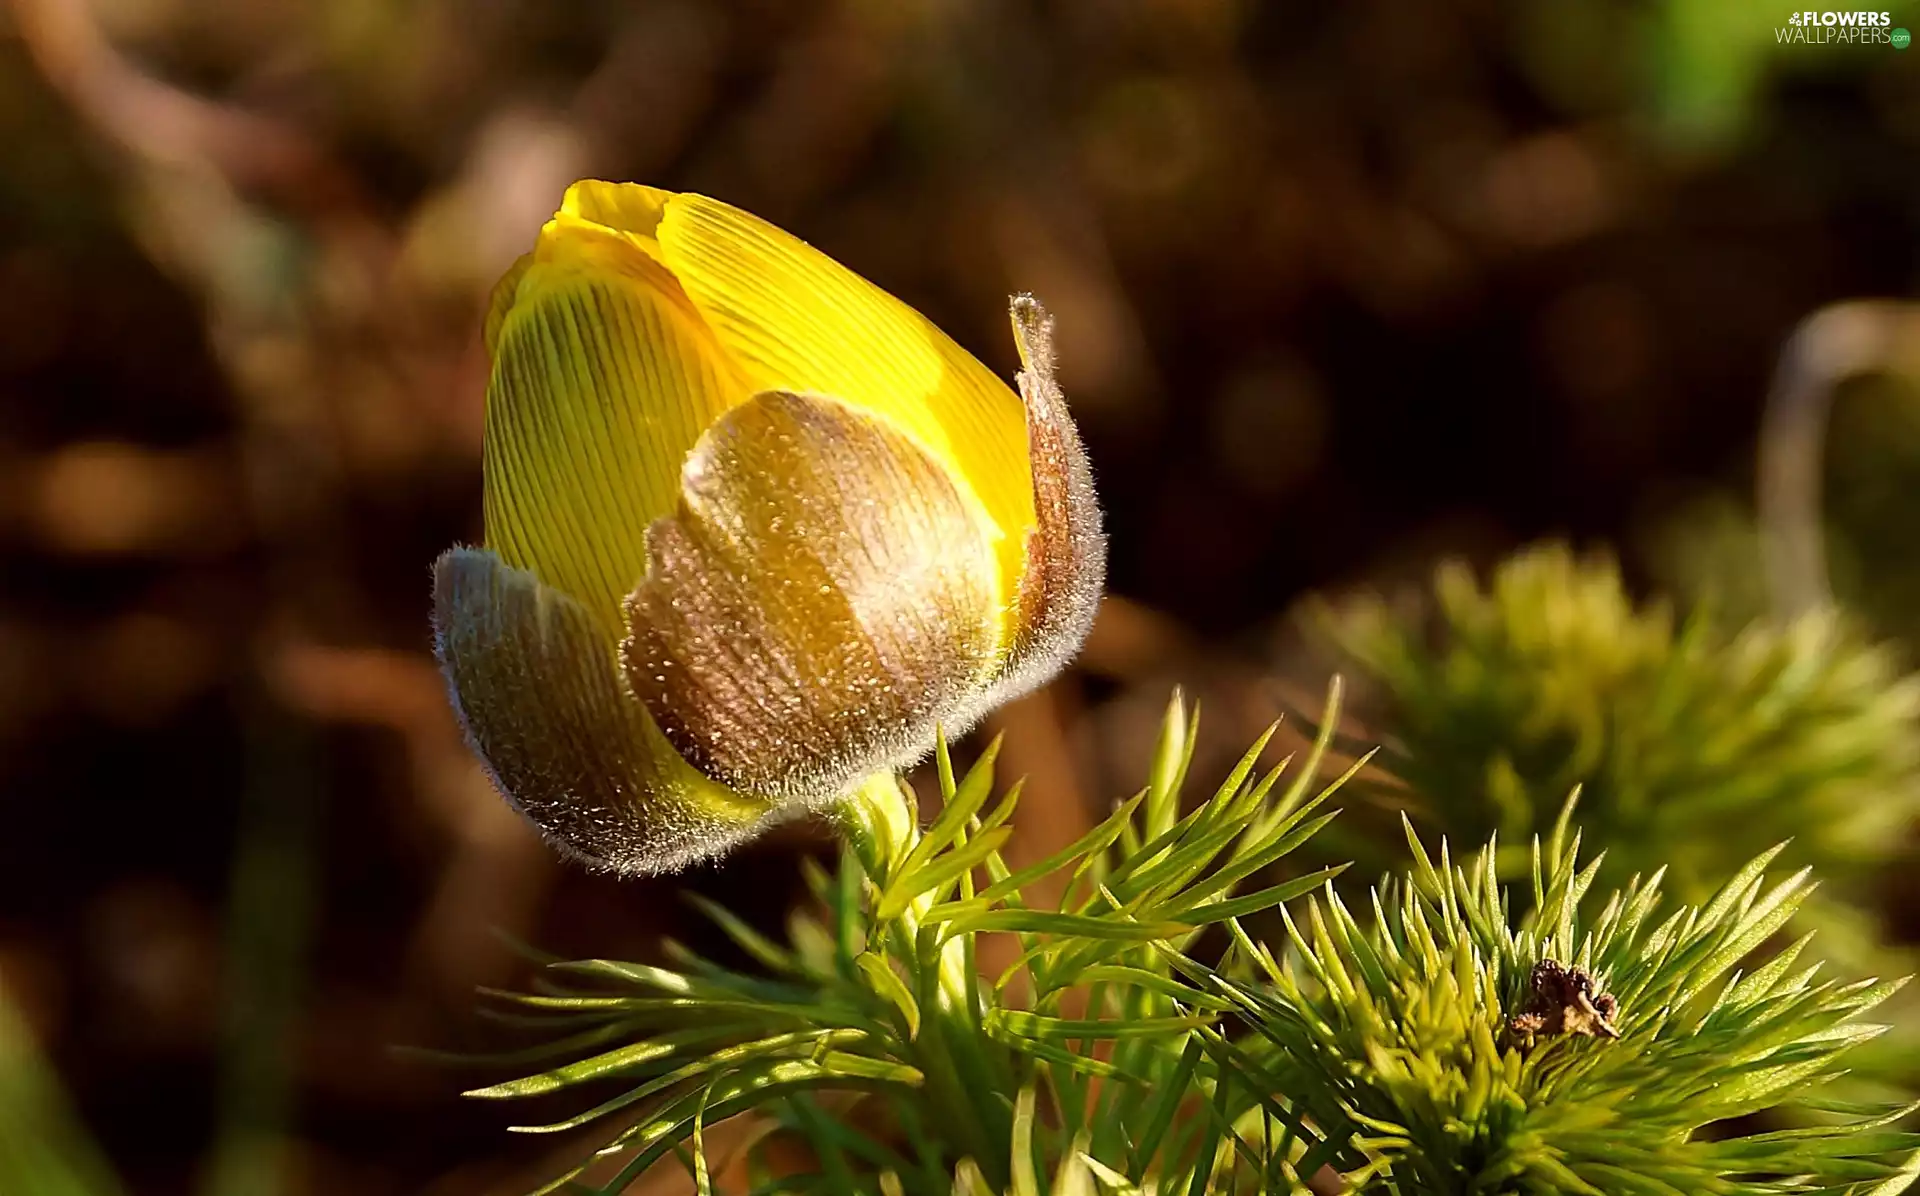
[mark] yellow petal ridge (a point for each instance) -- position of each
(603, 378)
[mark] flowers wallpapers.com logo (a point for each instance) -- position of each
(1842, 28)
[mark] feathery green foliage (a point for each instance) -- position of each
(1075, 1059)
(1398, 1037)
(1694, 748)
(1109, 1049)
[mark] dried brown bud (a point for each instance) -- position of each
(1562, 1000)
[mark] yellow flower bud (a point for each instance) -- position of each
(754, 530)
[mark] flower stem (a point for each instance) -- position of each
(882, 825)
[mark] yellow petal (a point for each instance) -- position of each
(623, 207)
(603, 379)
(793, 319)
(822, 600)
(535, 684)
(505, 293)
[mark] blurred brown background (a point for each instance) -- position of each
(1341, 288)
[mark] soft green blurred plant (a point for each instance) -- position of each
(44, 1148)
(1695, 78)
(883, 997)
(1830, 518)
(1694, 747)
(1399, 1035)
